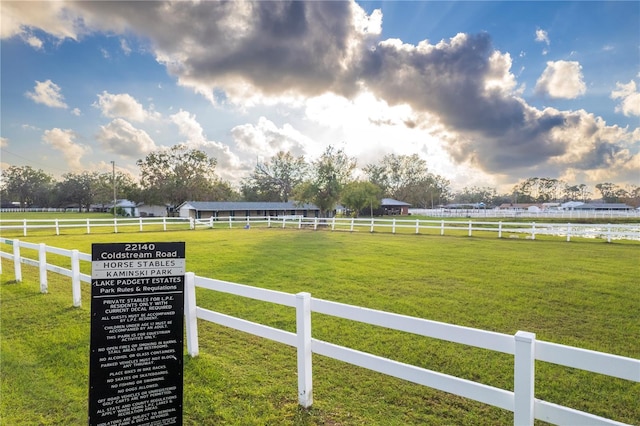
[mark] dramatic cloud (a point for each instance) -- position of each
(315, 56)
(64, 141)
(123, 106)
(630, 98)
(47, 93)
(120, 137)
(562, 79)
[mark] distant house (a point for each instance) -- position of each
(151, 210)
(603, 207)
(522, 207)
(207, 209)
(389, 206)
(126, 207)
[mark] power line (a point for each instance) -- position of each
(31, 162)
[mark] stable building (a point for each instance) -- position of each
(226, 209)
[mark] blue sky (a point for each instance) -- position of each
(488, 93)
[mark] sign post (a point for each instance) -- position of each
(137, 318)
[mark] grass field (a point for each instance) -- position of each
(582, 294)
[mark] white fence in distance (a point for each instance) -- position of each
(394, 225)
(520, 213)
(611, 231)
(88, 224)
(524, 347)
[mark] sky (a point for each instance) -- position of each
(488, 93)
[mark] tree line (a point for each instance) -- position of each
(170, 177)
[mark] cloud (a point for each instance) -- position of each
(460, 90)
(124, 106)
(4, 142)
(229, 165)
(33, 41)
(64, 141)
(52, 17)
(542, 36)
(630, 98)
(265, 139)
(562, 79)
(125, 46)
(121, 138)
(76, 112)
(47, 93)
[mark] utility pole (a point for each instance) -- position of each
(113, 176)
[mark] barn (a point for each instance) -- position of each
(219, 209)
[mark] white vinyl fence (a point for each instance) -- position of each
(541, 214)
(523, 345)
(501, 229)
(529, 230)
(150, 223)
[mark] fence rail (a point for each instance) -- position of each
(524, 347)
(519, 213)
(610, 231)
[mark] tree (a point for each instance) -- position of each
(610, 192)
(398, 175)
(177, 175)
(77, 189)
(430, 192)
(632, 196)
(126, 188)
(276, 179)
(329, 174)
(28, 186)
(576, 192)
(476, 194)
(358, 196)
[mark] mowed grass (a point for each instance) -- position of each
(583, 293)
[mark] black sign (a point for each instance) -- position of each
(137, 308)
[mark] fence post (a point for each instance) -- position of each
(115, 225)
(192, 223)
(140, 224)
(269, 221)
(568, 232)
(470, 228)
(417, 226)
(303, 331)
(42, 263)
(533, 230)
(315, 224)
(300, 222)
(371, 225)
(164, 223)
(17, 266)
(352, 220)
(191, 319)
(57, 227)
(442, 227)
(24, 227)
(500, 229)
(333, 223)
(524, 378)
(608, 232)
(393, 228)
(75, 278)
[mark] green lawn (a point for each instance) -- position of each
(583, 293)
